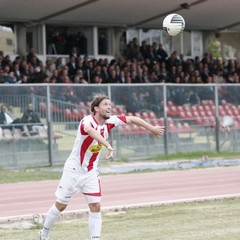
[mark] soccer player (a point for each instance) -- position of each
(80, 172)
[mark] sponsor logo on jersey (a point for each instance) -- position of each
(96, 148)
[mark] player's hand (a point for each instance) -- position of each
(110, 152)
(158, 130)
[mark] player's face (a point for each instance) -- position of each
(104, 109)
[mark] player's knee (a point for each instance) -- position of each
(95, 207)
(60, 206)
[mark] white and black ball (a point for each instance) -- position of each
(173, 24)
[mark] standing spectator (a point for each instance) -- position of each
(144, 49)
(82, 44)
(161, 53)
(16, 71)
(105, 74)
(102, 44)
(123, 44)
(89, 73)
(59, 63)
(58, 43)
(122, 77)
(72, 67)
(49, 69)
(25, 70)
(32, 58)
(205, 73)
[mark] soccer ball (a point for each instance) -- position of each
(227, 121)
(173, 24)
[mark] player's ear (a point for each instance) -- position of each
(96, 108)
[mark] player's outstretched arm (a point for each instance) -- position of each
(155, 130)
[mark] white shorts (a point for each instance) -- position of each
(72, 182)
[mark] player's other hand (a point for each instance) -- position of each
(110, 152)
(158, 130)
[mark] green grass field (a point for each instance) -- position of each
(208, 220)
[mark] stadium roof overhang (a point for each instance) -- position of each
(212, 15)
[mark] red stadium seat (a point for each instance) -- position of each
(172, 111)
(42, 107)
(188, 114)
(223, 102)
(210, 103)
(201, 121)
(76, 114)
(212, 108)
(206, 108)
(82, 104)
(137, 114)
(208, 113)
(83, 113)
(222, 113)
(172, 128)
(200, 108)
(202, 114)
(67, 114)
(182, 114)
(144, 116)
(170, 103)
(195, 114)
(204, 103)
(54, 109)
(229, 112)
(152, 115)
(186, 128)
(88, 104)
(212, 121)
(114, 110)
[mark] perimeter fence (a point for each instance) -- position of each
(192, 114)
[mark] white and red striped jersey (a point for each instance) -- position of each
(86, 150)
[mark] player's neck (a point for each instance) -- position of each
(99, 119)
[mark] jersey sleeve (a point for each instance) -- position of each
(122, 119)
(115, 121)
(119, 120)
(85, 121)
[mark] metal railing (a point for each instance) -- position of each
(192, 115)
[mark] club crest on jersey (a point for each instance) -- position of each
(96, 148)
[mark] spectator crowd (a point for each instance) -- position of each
(138, 64)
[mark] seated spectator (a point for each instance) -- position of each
(193, 98)
(10, 78)
(7, 120)
(31, 119)
(74, 53)
(79, 78)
